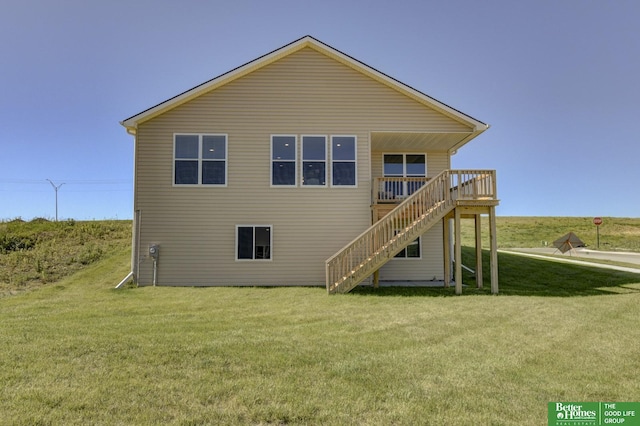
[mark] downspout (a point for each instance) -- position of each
(135, 238)
(135, 246)
(135, 228)
(127, 278)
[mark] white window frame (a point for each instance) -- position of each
(254, 243)
(295, 161)
(404, 167)
(404, 163)
(302, 161)
(201, 160)
(354, 161)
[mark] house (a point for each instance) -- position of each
(304, 167)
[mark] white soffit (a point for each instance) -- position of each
(403, 141)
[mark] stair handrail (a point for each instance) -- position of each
(391, 233)
(390, 228)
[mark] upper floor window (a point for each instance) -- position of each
(200, 159)
(404, 166)
(283, 160)
(343, 161)
(314, 160)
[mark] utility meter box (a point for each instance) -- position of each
(154, 250)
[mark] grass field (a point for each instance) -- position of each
(77, 351)
(40, 251)
(615, 233)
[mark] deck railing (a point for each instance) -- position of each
(393, 189)
(474, 184)
(425, 206)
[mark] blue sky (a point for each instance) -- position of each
(558, 80)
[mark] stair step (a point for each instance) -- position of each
(382, 254)
(336, 287)
(447, 187)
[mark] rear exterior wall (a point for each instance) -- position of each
(305, 93)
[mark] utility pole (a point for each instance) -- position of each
(55, 188)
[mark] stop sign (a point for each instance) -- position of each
(597, 221)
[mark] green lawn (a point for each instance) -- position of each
(79, 352)
(529, 231)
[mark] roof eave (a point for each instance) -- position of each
(148, 114)
(407, 90)
(132, 122)
(477, 132)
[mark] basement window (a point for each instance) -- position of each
(412, 251)
(253, 242)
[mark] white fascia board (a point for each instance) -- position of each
(423, 98)
(131, 123)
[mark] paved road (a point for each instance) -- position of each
(581, 256)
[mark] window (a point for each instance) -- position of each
(343, 161)
(253, 242)
(314, 160)
(404, 166)
(283, 160)
(200, 159)
(412, 251)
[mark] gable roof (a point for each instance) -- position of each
(132, 122)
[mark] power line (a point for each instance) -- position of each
(24, 182)
(100, 182)
(100, 190)
(67, 181)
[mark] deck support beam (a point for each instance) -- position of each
(458, 250)
(452, 244)
(376, 278)
(478, 224)
(446, 250)
(494, 250)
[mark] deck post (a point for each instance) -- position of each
(458, 255)
(327, 272)
(446, 249)
(478, 223)
(494, 250)
(376, 278)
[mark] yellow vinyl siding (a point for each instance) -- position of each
(304, 93)
(428, 267)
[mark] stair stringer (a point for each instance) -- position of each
(394, 246)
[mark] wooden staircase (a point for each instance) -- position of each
(426, 207)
